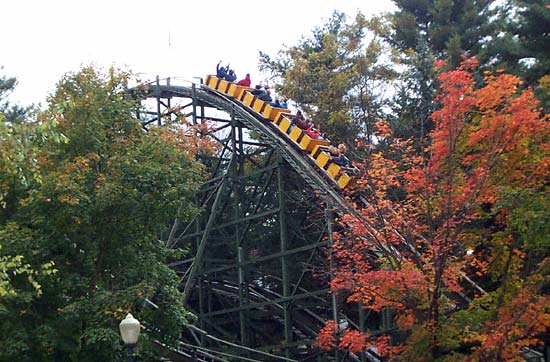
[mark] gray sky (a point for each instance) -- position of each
(43, 39)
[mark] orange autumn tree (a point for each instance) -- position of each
(454, 241)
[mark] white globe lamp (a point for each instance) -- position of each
(129, 331)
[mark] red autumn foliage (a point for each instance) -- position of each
(422, 212)
(326, 338)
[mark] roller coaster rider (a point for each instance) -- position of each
(231, 76)
(266, 96)
(300, 131)
(338, 155)
(221, 71)
(257, 91)
(300, 121)
(245, 82)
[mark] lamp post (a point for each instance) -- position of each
(129, 330)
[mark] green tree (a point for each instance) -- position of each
(510, 35)
(522, 47)
(12, 112)
(449, 27)
(99, 209)
(413, 101)
(426, 31)
(17, 171)
(338, 74)
(462, 252)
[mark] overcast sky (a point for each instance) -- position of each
(43, 39)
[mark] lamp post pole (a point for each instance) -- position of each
(130, 348)
(129, 331)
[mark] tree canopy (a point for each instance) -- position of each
(453, 182)
(338, 74)
(462, 257)
(444, 106)
(88, 192)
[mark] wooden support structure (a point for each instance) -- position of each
(265, 224)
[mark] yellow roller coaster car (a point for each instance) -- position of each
(315, 149)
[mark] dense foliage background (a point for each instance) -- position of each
(444, 107)
(87, 198)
